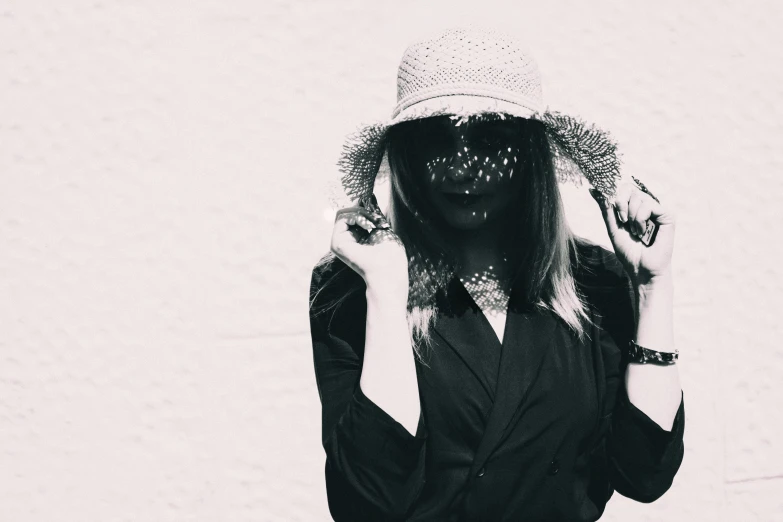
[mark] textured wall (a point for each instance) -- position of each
(163, 169)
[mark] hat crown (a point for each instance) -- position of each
(468, 61)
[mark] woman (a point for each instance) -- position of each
(474, 359)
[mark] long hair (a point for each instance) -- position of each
(537, 238)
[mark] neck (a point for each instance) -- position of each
(484, 271)
(480, 250)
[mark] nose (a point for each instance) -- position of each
(463, 166)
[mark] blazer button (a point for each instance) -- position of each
(554, 467)
(480, 472)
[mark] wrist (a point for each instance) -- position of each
(387, 294)
(660, 283)
(654, 306)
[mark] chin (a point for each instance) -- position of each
(467, 224)
(467, 219)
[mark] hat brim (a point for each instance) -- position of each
(461, 105)
(579, 150)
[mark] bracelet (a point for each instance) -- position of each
(641, 355)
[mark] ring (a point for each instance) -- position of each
(644, 189)
(370, 203)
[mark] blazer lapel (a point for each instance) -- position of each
(528, 335)
(527, 340)
(464, 327)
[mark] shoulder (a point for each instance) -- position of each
(601, 278)
(595, 266)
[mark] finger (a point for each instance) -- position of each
(663, 215)
(371, 216)
(374, 214)
(343, 223)
(607, 211)
(345, 238)
(620, 201)
(365, 223)
(357, 216)
(643, 215)
(634, 204)
(347, 211)
(340, 224)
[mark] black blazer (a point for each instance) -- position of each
(538, 428)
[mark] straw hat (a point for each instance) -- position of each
(463, 73)
(470, 71)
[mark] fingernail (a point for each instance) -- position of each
(598, 197)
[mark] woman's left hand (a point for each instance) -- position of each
(625, 216)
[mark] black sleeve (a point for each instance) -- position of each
(643, 458)
(374, 466)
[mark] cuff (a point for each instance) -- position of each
(643, 439)
(374, 432)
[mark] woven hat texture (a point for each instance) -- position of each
(468, 62)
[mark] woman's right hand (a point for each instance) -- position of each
(375, 253)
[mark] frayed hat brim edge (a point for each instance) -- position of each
(581, 150)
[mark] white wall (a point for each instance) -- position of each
(163, 168)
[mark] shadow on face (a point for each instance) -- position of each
(469, 169)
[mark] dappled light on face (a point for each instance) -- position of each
(472, 168)
(469, 166)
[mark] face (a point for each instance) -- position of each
(472, 168)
